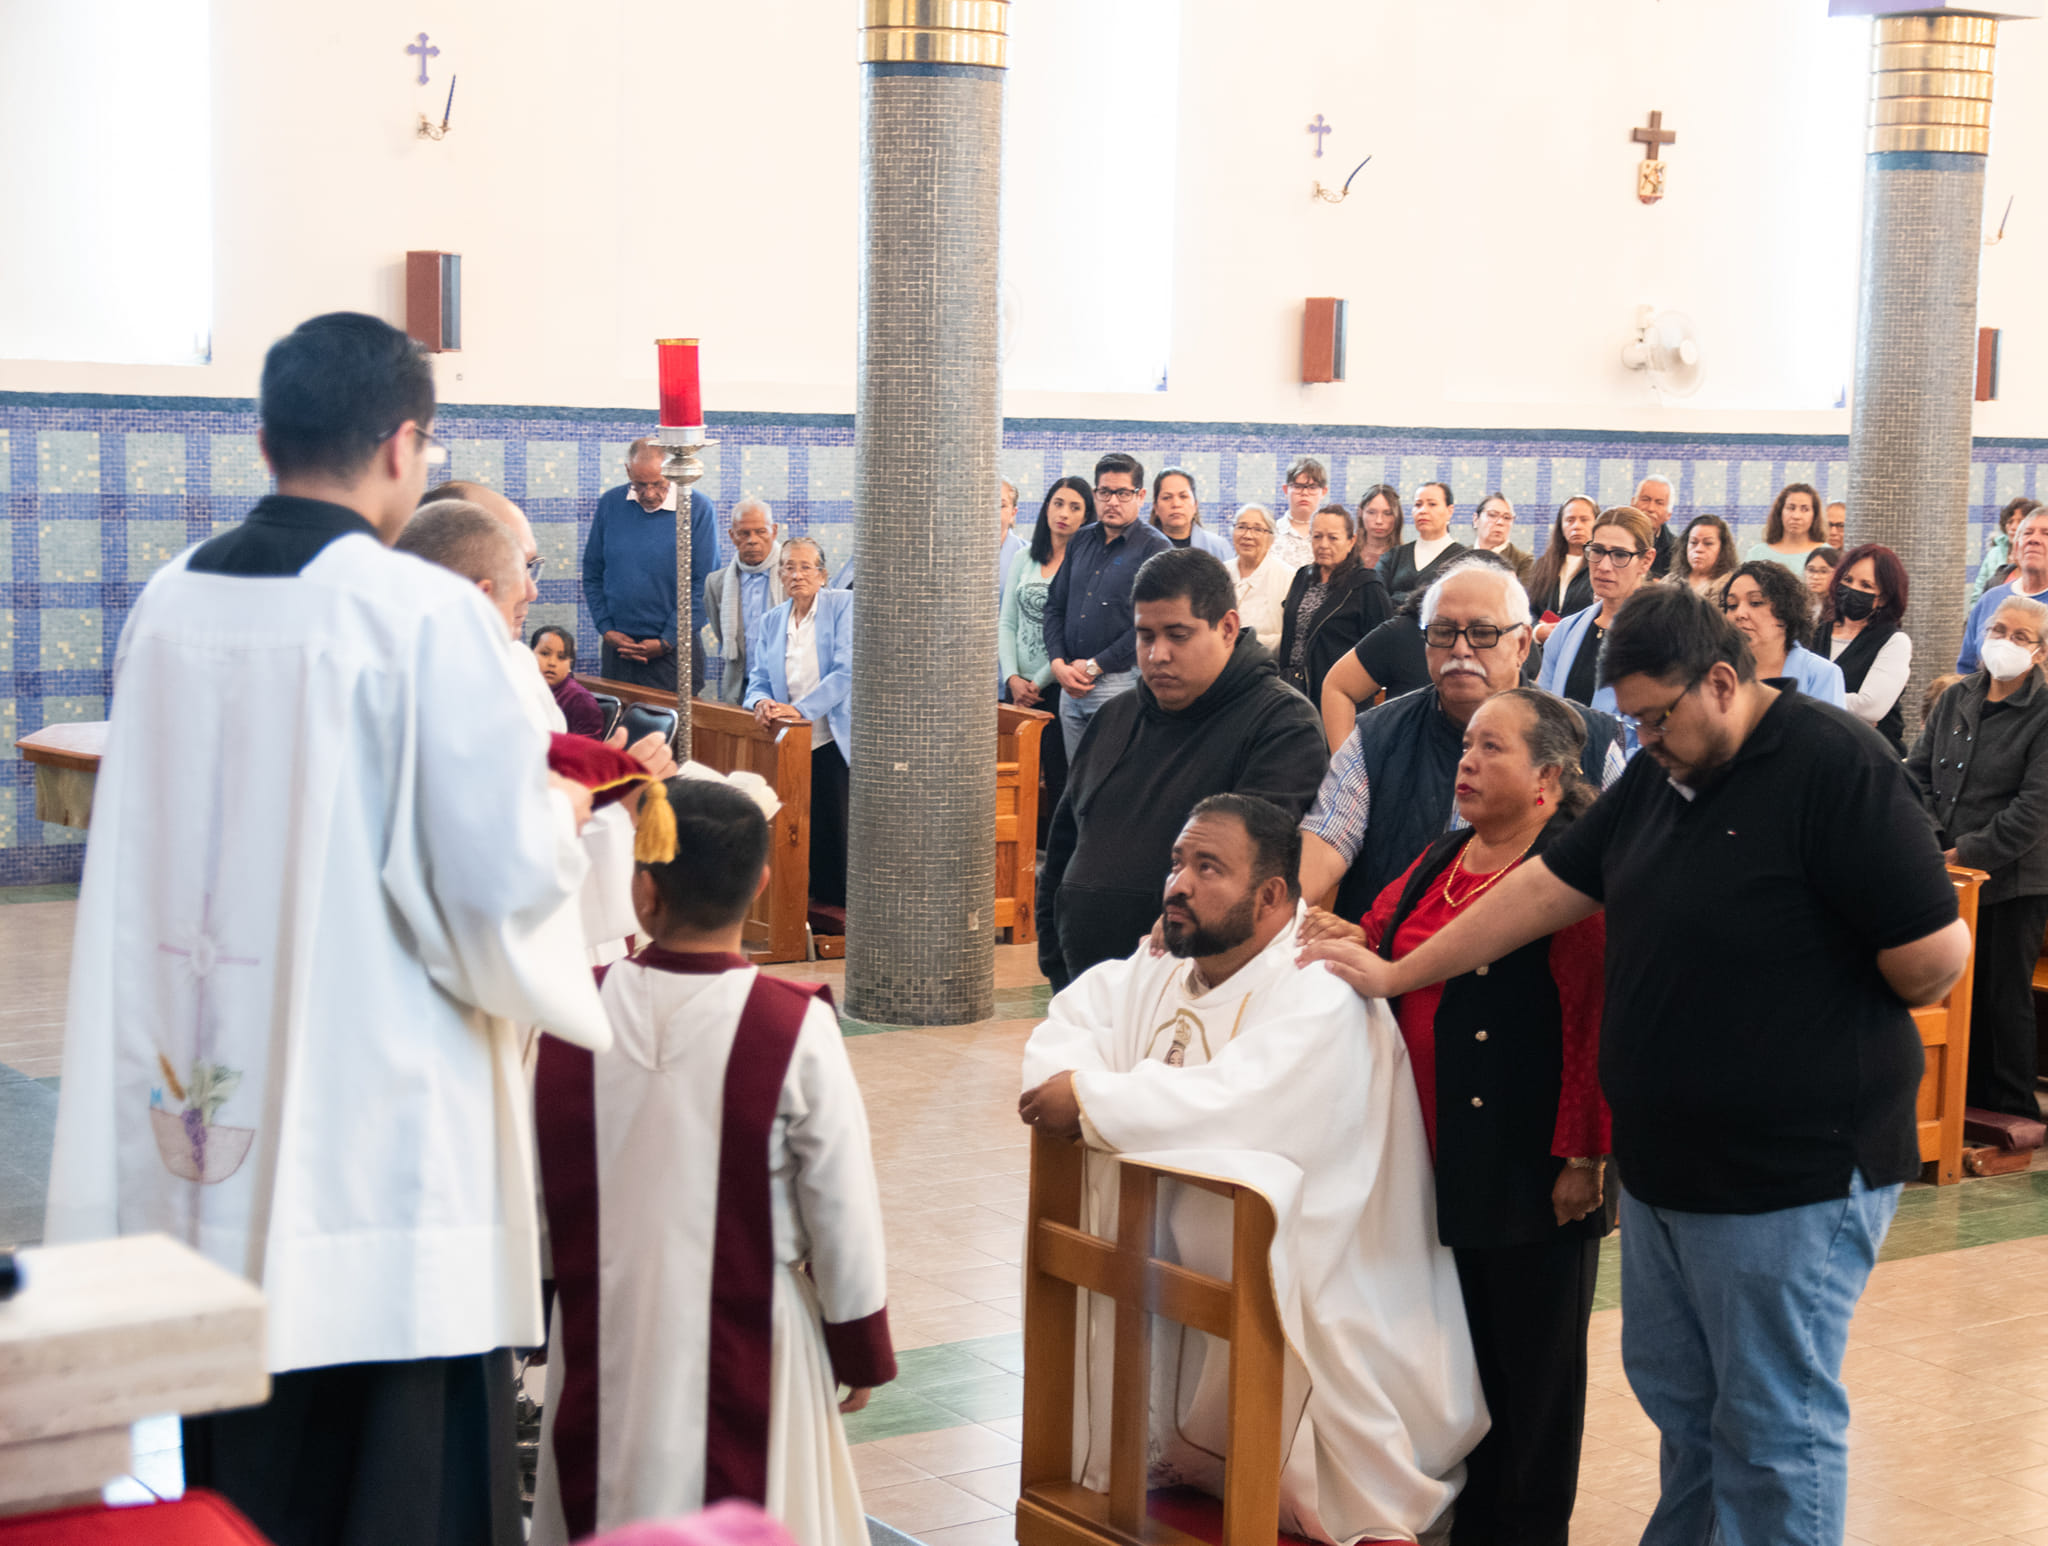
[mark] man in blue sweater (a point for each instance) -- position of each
(1089, 634)
(629, 571)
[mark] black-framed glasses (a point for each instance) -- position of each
(1481, 636)
(1307, 488)
(1104, 494)
(1595, 552)
(648, 485)
(1654, 723)
(433, 450)
(534, 567)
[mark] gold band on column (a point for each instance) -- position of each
(1930, 83)
(935, 32)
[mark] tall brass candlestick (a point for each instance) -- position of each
(683, 467)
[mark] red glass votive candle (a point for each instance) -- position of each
(682, 398)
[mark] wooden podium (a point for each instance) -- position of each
(104, 1334)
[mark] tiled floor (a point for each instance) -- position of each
(1947, 1368)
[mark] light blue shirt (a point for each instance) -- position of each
(1815, 677)
(754, 593)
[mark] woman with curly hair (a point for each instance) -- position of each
(1767, 603)
(1706, 556)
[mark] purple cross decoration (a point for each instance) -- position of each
(1318, 128)
(427, 51)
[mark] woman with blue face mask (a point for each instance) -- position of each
(1982, 760)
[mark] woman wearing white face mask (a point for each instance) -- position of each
(1982, 759)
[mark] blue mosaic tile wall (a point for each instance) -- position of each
(100, 492)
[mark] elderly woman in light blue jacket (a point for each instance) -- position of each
(800, 666)
(1618, 557)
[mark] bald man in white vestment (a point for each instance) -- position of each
(328, 875)
(1240, 1064)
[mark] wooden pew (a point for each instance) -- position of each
(728, 740)
(1018, 733)
(66, 758)
(1945, 1036)
(1061, 1260)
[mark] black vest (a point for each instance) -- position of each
(1856, 660)
(1499, 1070)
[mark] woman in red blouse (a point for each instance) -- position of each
(1505, 1061)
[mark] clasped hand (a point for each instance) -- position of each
(768, 712)
(1053, 1107)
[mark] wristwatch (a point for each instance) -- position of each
(1583, 1162)
(1092, 669)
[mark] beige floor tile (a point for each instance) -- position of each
(998, 1280)
(913, 1294)
(949, 1451)
(876, 1467)
(998, 1484)
(1597, 1522)
(999, 1531)
(957, 1323)
(918, 1507)
(1008, 1427)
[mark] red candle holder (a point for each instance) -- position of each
(682, 397)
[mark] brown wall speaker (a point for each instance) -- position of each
(1322, 339)
(433, 299)
(1987, 363)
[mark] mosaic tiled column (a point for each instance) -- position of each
(1916, 339)
(921, 871)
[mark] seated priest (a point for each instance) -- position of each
(1225, 1052)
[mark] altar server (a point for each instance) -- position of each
(1223, 1052)
(712, 1205)
(328, 871)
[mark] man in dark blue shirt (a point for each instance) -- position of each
(1088, 630)
(629, 571)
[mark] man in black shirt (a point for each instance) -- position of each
(1778, 903)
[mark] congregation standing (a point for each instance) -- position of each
(1315, 845)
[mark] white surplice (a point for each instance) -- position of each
(658, 1107)
(1286, 1080)
(326, 875)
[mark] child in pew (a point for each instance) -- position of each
(712, 1207)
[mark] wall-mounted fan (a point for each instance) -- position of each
(1667, 347)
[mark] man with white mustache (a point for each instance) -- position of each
(1389, 792)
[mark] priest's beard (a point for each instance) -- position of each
(1192, 941)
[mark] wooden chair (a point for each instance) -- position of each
(1063, 1259)
(1018, 732)
(728, 740)
(1945, 1036)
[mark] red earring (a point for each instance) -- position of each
(1539, 799)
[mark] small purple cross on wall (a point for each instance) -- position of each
(1318, 128)
(427, 51)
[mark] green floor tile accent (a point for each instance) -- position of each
(57, 893)
(848, 1026)
(894, 1411)
(1022, 1003)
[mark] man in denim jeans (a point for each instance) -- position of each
(1776, 904)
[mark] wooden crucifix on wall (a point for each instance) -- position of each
(1650, 170)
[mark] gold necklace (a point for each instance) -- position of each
(1458, 868)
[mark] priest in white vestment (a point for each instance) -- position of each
(328, 874)
(713, 1212)
(1225, 1053)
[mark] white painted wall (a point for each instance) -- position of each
(1493, 251)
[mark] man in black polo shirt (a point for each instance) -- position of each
(1776, 903)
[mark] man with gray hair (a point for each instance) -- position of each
(1391, 789)
(746, 590)
(1653, 498)
(629, 571)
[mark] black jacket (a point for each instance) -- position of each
(1499, 1069)
(1357, 604)
(1137, 773)
(1398, 573)
(1983, 768)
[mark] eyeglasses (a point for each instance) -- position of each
(1482, 636)
(1252, 526)
(1653, 724)
(1307, 488)
(1595, 553)
(433, 451)
(2000, 631)
(534, 567)
(802, 566)
(1104, 495)
(648, 486)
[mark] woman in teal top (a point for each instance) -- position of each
(1020, 635)
(1793, 530)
